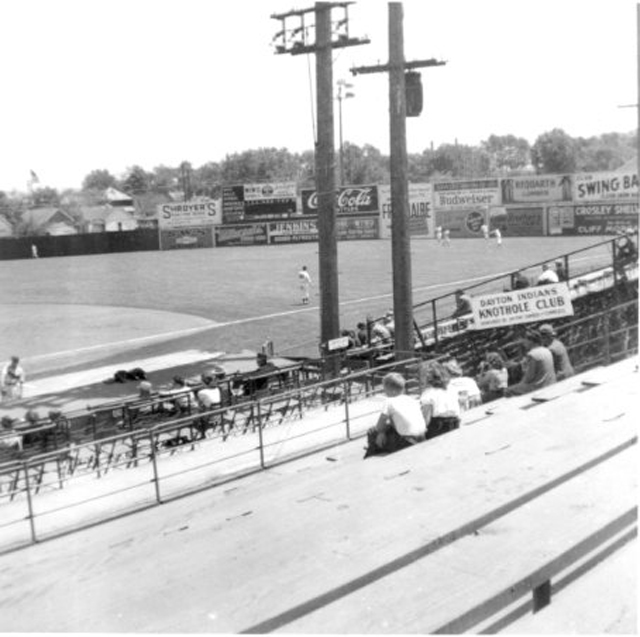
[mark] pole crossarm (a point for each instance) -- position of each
(385, 68)
(301, 49)
(299, 12)
(298, 39)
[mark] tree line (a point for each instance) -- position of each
(554, 151)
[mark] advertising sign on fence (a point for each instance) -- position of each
(354, 228)
(293, 231)
(270, 200)
(189, 213)
(232, 203)
(525, 222)
(258, 201)
(349, 200)
(588, 187)
(541, 303)
(461, 223)
(420, 210)
(560, 220)
(457, 195)
(305, 230)
(187, 237)
(534, 188)
(597, 219)
(244, 234)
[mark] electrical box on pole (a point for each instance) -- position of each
(413, 93)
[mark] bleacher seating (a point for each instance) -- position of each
(456, 534)
(247, 407)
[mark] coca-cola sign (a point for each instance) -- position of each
(349, 200)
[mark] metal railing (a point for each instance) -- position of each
(232, 441)
(429, 315)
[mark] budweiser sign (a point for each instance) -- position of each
(350, 199)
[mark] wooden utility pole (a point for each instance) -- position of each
(325, 179)
(400, 243)
(400, 240)
(296, 40)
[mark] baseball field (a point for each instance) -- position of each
(57, 313)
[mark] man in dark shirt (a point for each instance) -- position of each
(463, 304)
(538, 367)
(561, 271)
(361, 335)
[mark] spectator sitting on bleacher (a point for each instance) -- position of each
(463, 304)
(520, 281)
(9, 439)
(547, 276)
(390, 323)
(209, 397)
(561, 361)
(626, 254)
(351, 335)
(400, 423)
(182, 393)
(32, 417)
(362, 337)
(466, 387)
(440, 405)
(145, 389)
(258, 380)
(380, 333)
(538, 366)
(561, 272)
(493, 378)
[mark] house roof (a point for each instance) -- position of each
(40, 217)
(112, 194)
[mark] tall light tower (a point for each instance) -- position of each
(343, 94)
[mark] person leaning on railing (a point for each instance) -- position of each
(463, 304)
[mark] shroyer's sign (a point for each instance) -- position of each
(541, 303)
(188, 213)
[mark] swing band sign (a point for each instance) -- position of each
(542, 303)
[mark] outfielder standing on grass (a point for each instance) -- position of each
(12, 379)
(305, 284)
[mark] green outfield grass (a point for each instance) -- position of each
(252, 291)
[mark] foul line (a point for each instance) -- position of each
(214, 325)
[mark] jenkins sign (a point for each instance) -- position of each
(349, 200)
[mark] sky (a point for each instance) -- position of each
(92, 84)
